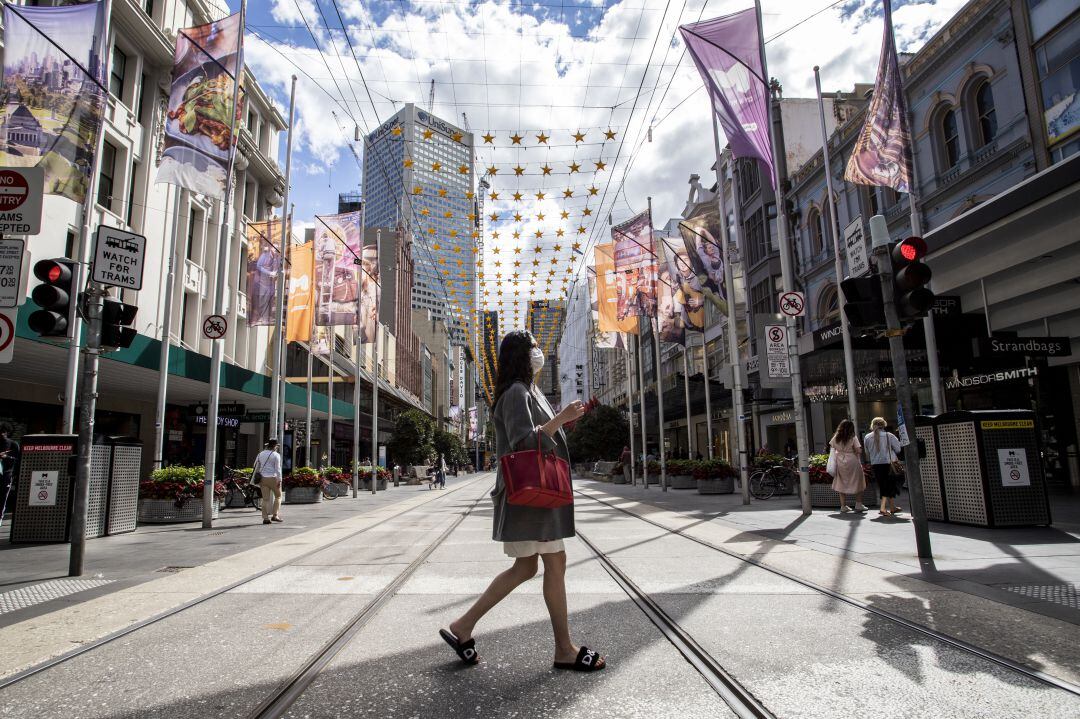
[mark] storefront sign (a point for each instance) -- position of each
(828, 336)
(946, 306)
(786, 416)
(43, 489)
(222, 421)
(977, 380)
(1028, 346)
(776, 351)
(225, 409)
(257, 417)
(1014, 467)
(858, 262)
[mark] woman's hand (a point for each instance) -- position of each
(571, 412)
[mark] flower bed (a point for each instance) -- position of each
(303, 477)
(821, 492)
(174, 494)
(714, 476)
(652, 472)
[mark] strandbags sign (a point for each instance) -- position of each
(198, 138)
(54, 74)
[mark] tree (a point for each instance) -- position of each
(449, 445)
(411, 442)
(600, 434)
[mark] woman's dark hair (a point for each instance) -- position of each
(514, 362)
(844, 432)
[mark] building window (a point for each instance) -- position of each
(1058, 62)
(106, 174)
(817, 235)
(145, 89)
(131, 193)
(986, 120)
(192, 219)
(148, 7)
(757, 246)
(69, 244)
(872, 206)
(117, 72)
(828, 305)
(761, 298)
(950, 139)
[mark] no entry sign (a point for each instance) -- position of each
(21, 190)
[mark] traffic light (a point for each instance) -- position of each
(115, 320)
(53, 296)
(863, 305)
(912, 297)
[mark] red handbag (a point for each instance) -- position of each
(535, 478)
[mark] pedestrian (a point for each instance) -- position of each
(9, 463)
(440, 473)
(268, 471)
(883, 448)
(524, 420)
(848, 475)
(627, 461)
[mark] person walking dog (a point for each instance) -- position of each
(883, 447)
(267, 472)
(523, 421)
(848, 473)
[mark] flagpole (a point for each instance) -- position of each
(166, 330)
(787, 273)
(330, 398)
(737, 410)
(219, 293)
(641, 394)
(686, 392)
(708, 386)
(630, 410)
(276, 390)
(310, 367)
(286, 252)
(834, 230)
(375, 379)
(659, 368)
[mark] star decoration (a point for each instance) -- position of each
(428, 134)
(546, 170)
(539, 234)
(448, 214)
(456, 137)
(516, 138)
(581, 230)
(517, 217)
(577, 245)
(431, 230)
(492, 170)
(425, 211)
(436, 246)
(418, 190)
(600, 165)
(559, 232)
(472, 216)
(536, 263)
(494, 217)
(579, 136)
(517, 235)
(568, 192)
(517, 250)
(488, 138)
(469, 195)
(494, 196)
(540, 195)
(564, 215)
(517, 196)
(435, 167)
(542, 137)
(574, 167)
(538, 250)
(586, 212)
(557, 247)
(519, 170)
(442, 192)
(396, 130)
(610, 134)
(408, 162)
(540, 217)
(594, 190)
(463, 169)
(495, 235)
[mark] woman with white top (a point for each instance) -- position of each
(883, 448)
(268, 467)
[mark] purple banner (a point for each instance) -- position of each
(882, 152)
(727, 53)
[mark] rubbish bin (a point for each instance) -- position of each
(43, 499)
(933, 492)
(115, 470)
(990, 468)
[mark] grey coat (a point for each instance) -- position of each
(518, 415)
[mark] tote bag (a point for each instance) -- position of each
(830, 466)
(535, 478)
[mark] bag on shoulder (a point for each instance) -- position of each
(256, 475)
(830, 466)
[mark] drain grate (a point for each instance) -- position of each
(1066, 594)
(46, 591)
(171, 569)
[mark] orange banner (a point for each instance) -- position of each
(298, 323)
(607, 301)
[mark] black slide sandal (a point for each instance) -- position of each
(465, 650)
(586, 662)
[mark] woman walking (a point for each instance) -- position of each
(523, 420)
(883, 448)
(848, 478)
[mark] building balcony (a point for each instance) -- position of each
(241, 305)
(194, 278)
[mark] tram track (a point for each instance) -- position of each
(921, 629)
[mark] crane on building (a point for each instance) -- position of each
(431, 97)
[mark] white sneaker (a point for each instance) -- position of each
(845, 509)
(861, 508)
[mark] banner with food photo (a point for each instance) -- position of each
(701, 237)
(263, 265)
(338, 247)
(54, 85)
(198, 143)
(635, 267)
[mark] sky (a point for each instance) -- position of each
(544, 71)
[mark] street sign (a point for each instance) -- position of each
(8, 318)
(901, 427)
(776, 351)
(12, 281)
(857, 261)
(21, 190)
(118, 258)
(792, 304)
(43, 489)
(214, 327)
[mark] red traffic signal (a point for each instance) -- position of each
(53, 296)
(910, 250)
(912, 297)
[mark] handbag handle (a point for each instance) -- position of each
(540, 460)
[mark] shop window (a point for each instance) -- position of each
(106, 175)
(117, 73)
(986, 116)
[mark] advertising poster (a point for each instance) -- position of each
(198, 144)
(607, 298)
(703, 251)
(301, 283)
(686, 285)
(338, 244)
(54, 85)
(635, 267)
(669, 316)
(321, 339)
(263, 266)
(369, 295)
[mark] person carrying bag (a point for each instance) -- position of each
(883, 448)
(267, 475)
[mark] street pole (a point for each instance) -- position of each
(686, 392)
(307, 416)
(279, 420)
(937, 389)
(277, 392)
(641, 394)
(834, 228)
(357, 352)
(788, 275)
(708, 387)
(330, 401)
(879, 235)
(219, 301)
(375, 380)
(737, 409)
(659, 369)
(80, 507)
(166, 328)
(630, 410)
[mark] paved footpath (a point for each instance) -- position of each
(342, 620)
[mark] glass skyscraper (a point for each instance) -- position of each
(418, 170)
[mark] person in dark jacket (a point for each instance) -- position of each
(524, 420)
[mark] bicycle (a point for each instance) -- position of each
(234, 489)
(766, 482)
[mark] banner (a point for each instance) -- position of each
(701, 259)
(882, 152)
(338, 244)
(686, 288)
(669, 316)
(321, 339)
(607, 298)
(369, 294)
(54, 75)
(727, 52)
(263, 265)
(301, 283)
(635, 267)
(198, 144)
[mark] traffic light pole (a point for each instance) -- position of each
(80, 506)
(879, 234)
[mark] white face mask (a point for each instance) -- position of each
(536, 358)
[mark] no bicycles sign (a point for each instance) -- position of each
(214, 327)
(792, 304)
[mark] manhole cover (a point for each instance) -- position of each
(1065, 593)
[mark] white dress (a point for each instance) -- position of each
(530, 547)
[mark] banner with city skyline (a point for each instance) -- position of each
(198, 124)
(701, 239)
(54, 78)
(263, 266)
(635, 267)
(338, 252)
(301, 284)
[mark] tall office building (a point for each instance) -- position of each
(418, 169)
(489, 349)
(545, 321)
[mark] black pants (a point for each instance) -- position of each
(886, 480)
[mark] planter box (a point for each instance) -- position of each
(338, 489)
(365, 484)
(165, 511)
(682, 481)
(303, 495)
(653, 478)
(823, 495)
(620, 478)
(725, 485)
